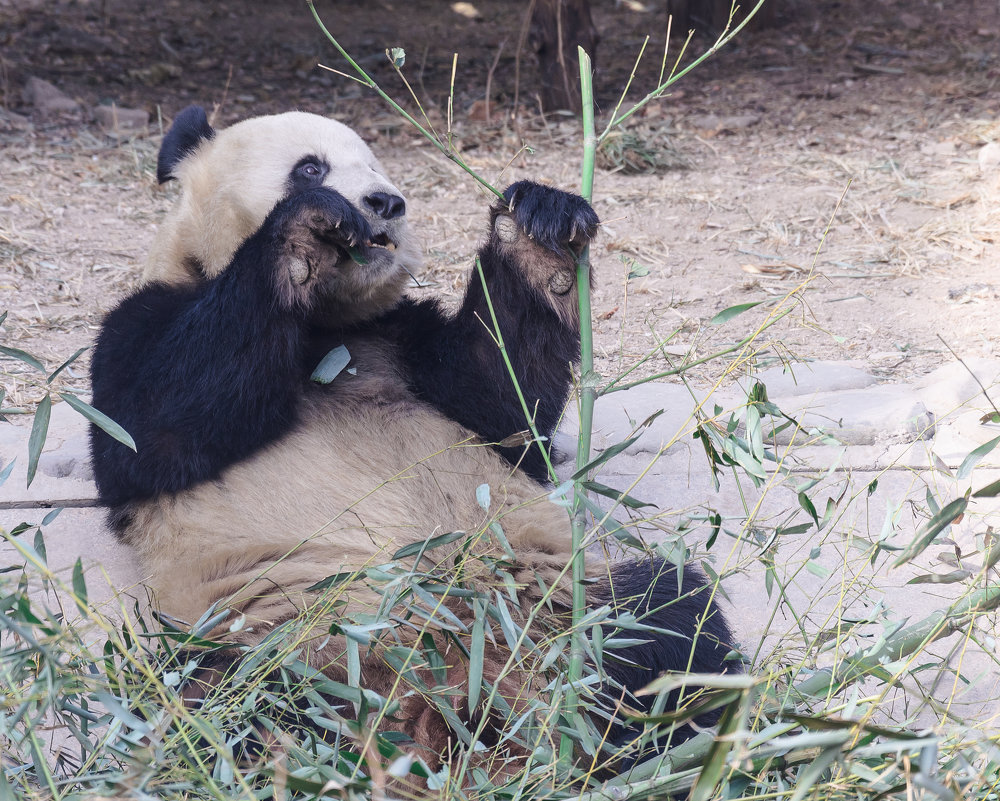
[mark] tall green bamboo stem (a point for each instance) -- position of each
(587, 395)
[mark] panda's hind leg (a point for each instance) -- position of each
(690, 634)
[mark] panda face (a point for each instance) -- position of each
(231, 179)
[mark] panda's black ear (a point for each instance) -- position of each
(190, 127)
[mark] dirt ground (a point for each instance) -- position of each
(844, 149)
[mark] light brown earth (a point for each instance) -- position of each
(844, 145)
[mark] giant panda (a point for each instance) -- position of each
(251, 483)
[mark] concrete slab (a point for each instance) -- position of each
(64, 476)
(110, 569)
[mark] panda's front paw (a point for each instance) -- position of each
(554, 219)
(317, 230)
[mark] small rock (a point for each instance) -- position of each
(989, 157)
(945, 148)
(9, 121)
(75, 40)
(47, 99)
(478, 111)
(116, 118)
(972, 293)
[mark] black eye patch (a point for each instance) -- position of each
(308, 172)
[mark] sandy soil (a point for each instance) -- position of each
(842, 151)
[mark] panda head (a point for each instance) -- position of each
(230, 179)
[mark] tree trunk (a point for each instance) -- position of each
(557, 27)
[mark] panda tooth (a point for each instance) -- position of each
(391, 246)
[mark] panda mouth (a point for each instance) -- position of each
(382, 241)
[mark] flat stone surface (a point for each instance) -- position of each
(64, 473)
(110, 570)
(876, 414)
(617, 415)
(959, 387)
(807, 378)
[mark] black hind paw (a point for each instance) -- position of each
(554, 219)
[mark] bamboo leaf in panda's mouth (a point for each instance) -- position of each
(331, 365)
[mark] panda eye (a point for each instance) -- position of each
(309, 172)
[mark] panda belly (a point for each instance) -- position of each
(355, 481)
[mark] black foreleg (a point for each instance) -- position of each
(203, 377)
(529, 266)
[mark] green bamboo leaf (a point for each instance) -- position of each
(353, 662)
(929, 531)
(614, 450)
(331, 365)
(812, 771)
(941, 578)
(718, 757)
(40, 552)
(755, 433)
(615, 495)
(20, 355)
(356, 256)
(427, 545)
(39, 430)
(79, 587)
(992, 555)
(975, 457)
(66, 364)
(483, 496)
(5, 473)
(726, 315)
(831, 507)
(807, 504)
(477, 651)
(991, 490)
(99, 419)
(333, 581)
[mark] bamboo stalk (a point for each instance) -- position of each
(588, 393)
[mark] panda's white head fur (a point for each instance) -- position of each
(231, 179)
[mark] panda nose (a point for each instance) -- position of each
(386, 206)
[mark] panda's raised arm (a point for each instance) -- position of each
(529, 266)
(202, 377)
